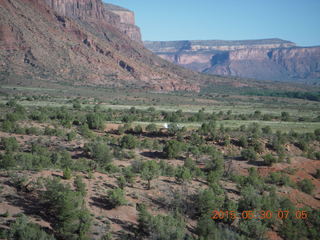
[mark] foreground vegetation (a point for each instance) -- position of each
(75, 162)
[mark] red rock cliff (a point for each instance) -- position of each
(96, 11)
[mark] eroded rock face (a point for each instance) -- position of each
(79, 42)
(268, 59)
(96, 11)
(127, 21)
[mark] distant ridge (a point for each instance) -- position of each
(271, 59)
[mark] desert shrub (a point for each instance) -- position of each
(257, 146)
(269, 159)
(266, 130)
(183, 175)
(71, 136)
(279, 179)
(138, 129)
(250, 199)
(32, 131)
(253, 228)
(22, 229)
(166, 169)
(160, 227)
(8, 126)
(151, 127)
(249, 154)
(207, 229)
(95, 121)
(306, 186)
(208, 129)
(10, 144)
(128, 175)
(67, 173)
(53, 132)
(116, 197)
(7, 161)
(121, 181)
(128, 141)
(208, 200)
(76, 104)
(215, 162)
(285, 116)
(243, 142)
(85, 131)
(196, 139)
(172, 149)
(99, 152)
(190, 164)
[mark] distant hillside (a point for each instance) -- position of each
(265, 59)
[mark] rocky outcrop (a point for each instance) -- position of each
(127, 21)
(267, 59)
(79, 42)
(98, 12)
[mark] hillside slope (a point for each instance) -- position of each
(80, 43)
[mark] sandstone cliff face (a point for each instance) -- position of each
(96, 11)
(78, 42)
(127, 21)
(268, 59)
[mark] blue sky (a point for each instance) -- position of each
(294, 20)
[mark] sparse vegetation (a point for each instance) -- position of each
(108, 156)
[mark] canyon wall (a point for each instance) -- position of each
(96, 11)
(266, 59)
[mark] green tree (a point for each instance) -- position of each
(22, 229)
(249, 154)
(128, 141)
(95, 121)
(160, 227)
(99, 151)
(150, 170)
(253, 228)
(116, 197)
(7, 161)
(80, 186)
(183, 175)
(128, 175)
(10, 144)
(208, 200)
(209, 230)
(71, 219)
(172, 149)
(250, 198)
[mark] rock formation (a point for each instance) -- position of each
(267, 59)
(80, 42)
(127, 21)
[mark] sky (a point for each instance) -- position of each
(165, 20)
